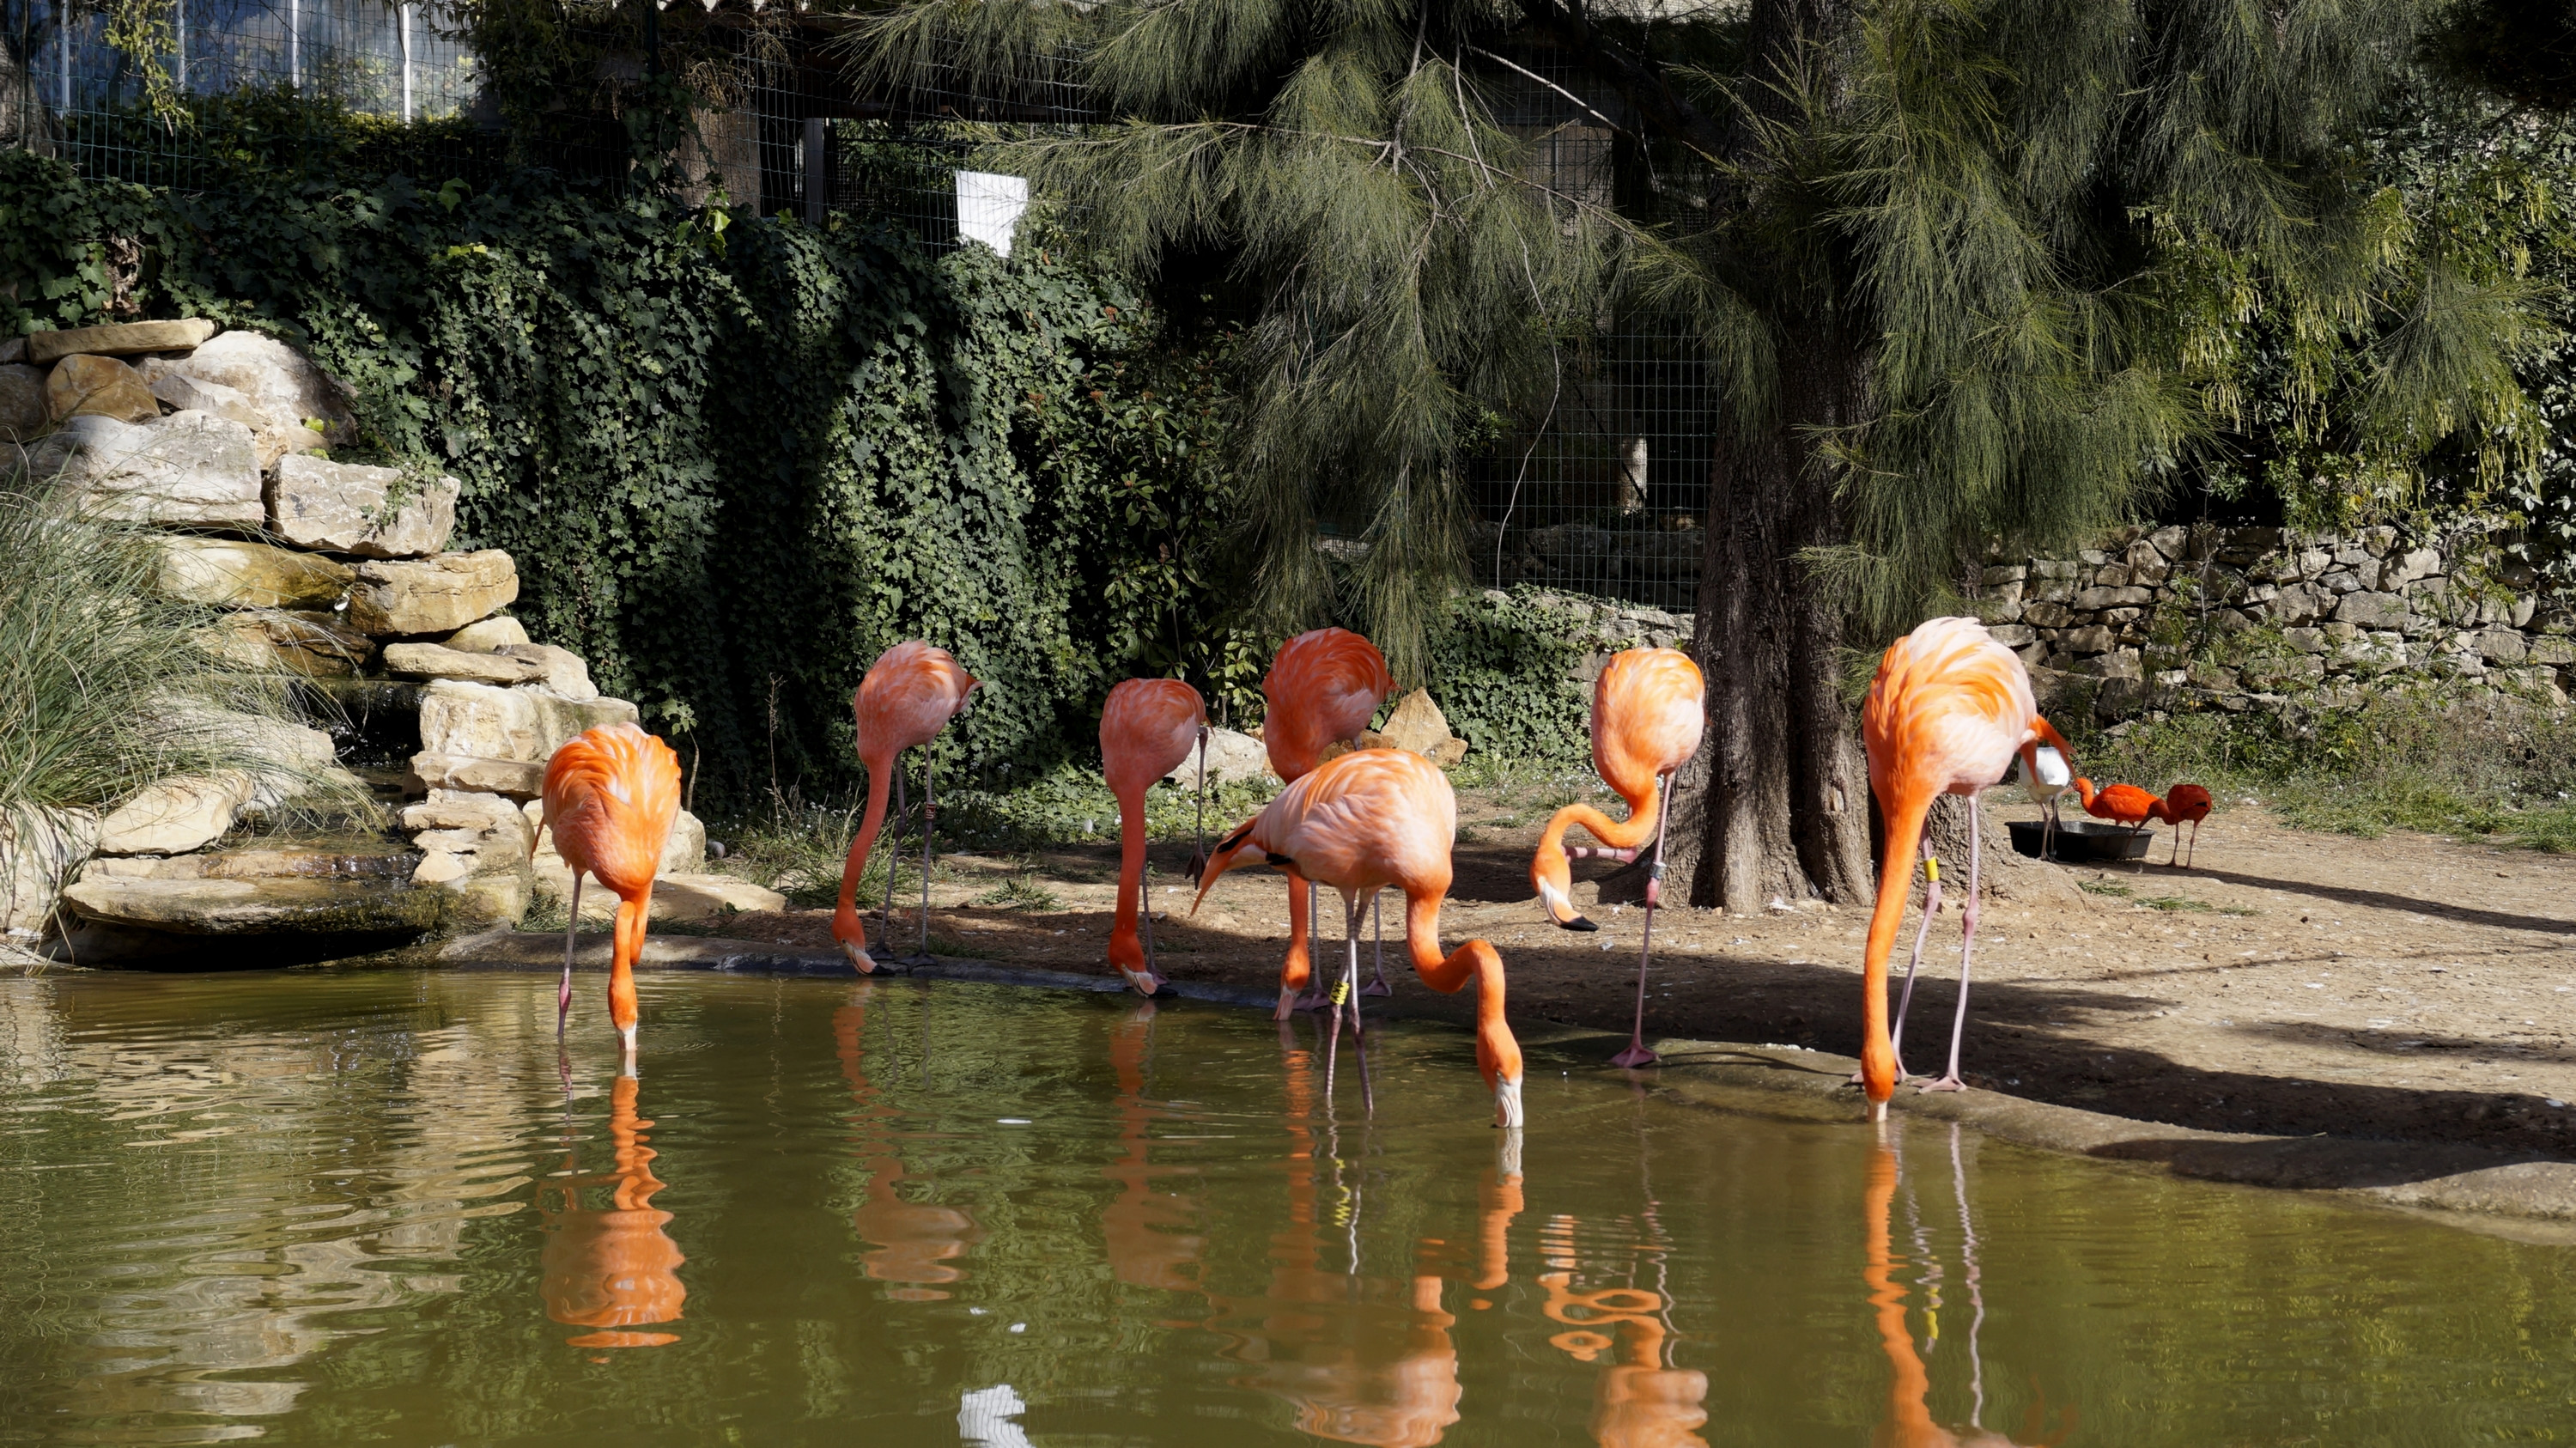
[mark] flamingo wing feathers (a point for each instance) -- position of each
(1147, 730)
(909, 695)
(610, 797)
(1649, 708)
(1321, 690)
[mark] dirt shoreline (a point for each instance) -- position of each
(2408, 989)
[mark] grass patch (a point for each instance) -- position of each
(2186, 905)
(2104, 887)
(1019, 892)
(2492, 768)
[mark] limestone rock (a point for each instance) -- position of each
(1418, 727)
(119, 339)
(176, 815)
(98, 387)
(2371, 610)
(251, 575)
(494, 899)
(1231, 757)
(189, 468)
(681, 896)
(437, 661)
(271, 437)
(2554, 649)
(39, 850)
(489, 814)
(515, 778)
(257, 907)
(308, 642)
(2502, 646)
(527, 724)
(13, 351)
(489, 635)
(562, 670)
(432, 595)
(258, 864)
(23, 414)
(2092, 640)
(344, 507)
(2118, 597)
(276, 379)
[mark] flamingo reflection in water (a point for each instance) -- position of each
(1637, 1402)
(1146, 1228)
(612, 1268)
(1908, 1422)
(914, 1241)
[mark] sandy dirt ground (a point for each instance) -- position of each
(2404, 988)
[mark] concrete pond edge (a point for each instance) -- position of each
(2464, 1185)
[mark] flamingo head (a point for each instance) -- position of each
(1238, 850)
(1127, 955)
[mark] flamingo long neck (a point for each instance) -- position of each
(1895, 882)
(1498, 1053)
(627, 947)
(1124, 948)
(1551, 876)
(1908, 1380)
(880, 784)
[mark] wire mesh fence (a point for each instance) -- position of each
(1600, 492)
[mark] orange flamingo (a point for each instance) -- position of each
(1364, 822)
(1948, 712)
(1909, 1422)
(1648, 710)
(612, 1268)
(610, 797)
(2124, 804)
(1146, 730)
(908, 695)
(913, 1241)
(1322, 689)
(2186, 804)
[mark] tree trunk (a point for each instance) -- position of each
(1777, 804)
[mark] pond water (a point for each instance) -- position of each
(364, 1207)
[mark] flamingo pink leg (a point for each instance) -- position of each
(1637, 1055)
(1377, 921)
(1967, 946)
(563, 999)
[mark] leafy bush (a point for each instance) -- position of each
(734, 457)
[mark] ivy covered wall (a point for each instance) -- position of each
(734, 458)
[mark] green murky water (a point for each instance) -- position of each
(363, 1208)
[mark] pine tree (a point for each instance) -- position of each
(1961, 265)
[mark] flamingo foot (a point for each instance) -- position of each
(1377, 988)
(1635, 1056)
(1946, 1083)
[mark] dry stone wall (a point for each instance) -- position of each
(2247, 618)
(336, 573)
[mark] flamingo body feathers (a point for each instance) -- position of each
(1322, 689)
(1649, 708)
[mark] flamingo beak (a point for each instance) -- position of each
(1507, 1104)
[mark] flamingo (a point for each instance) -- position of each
(1949, 710)
(907, 696)
(610, 797)
(2186, 804)
(2044, 777)
(1648, 709)
(1146, 730)
(612, 1268)
(1322, 689)
(2124, 804)
(912, 1241)
(1360, 823)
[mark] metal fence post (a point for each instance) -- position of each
(815, 171)
(403, 22)
(295, 44)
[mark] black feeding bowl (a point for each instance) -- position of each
(2080, 842)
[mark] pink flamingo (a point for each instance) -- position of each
(1146, 730)
(1322, 689)
(1648, 710)
(909, 695)
(610, 797)
(1949, 710)
(1364, 822)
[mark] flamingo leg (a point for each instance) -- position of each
(1377, 921)
(1348, 991)
(894, 852)
(929, 828)
(2195, 845)
(2177, 850)
(1967, 946)
(1198, 831)
(1637, 1055)
(572, 922)
(1145, 915)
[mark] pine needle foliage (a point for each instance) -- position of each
(1402, 264)
(2038, 234)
